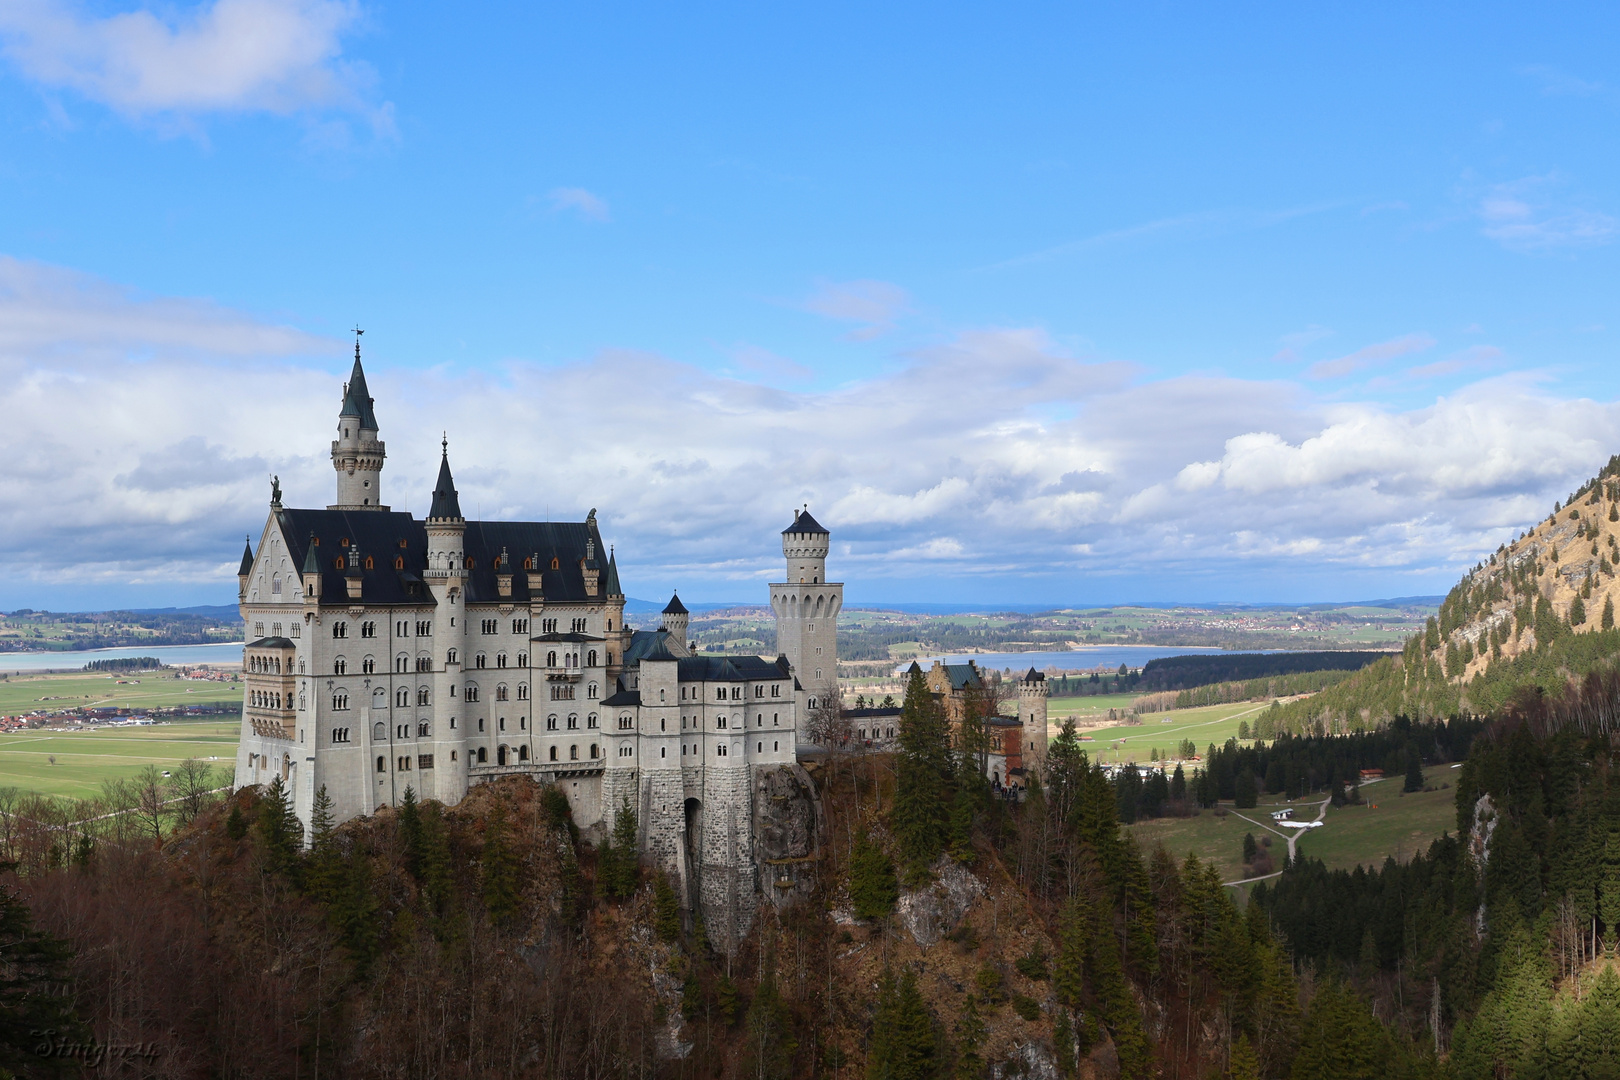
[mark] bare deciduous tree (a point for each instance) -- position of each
(191, 783)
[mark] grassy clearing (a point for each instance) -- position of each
(1162, 731)
(1212, 838)
(1086, 708)
(1400, 826)
(24, 693)
(85, 758)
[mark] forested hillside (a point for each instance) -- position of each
(1534, 615)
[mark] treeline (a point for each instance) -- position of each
(1226, 693)
(1187, 672)
(1487, 943)
(128, 663)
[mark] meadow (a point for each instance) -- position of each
(21, 694)
(1158, 731)
(73, 764)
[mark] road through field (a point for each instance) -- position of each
(1292, 836)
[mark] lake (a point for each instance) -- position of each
(1086, 658)
(173, 655)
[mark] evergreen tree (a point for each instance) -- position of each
(1178, 784)
(872, 887)
(666, 910)
(281, 834)
(410, 831)
(433, 859)
(1414, 768)
(1242, 1063)
(354, 912)
(35, 993)
(1341, 1040)
(903, 1046)
(920, 799)
(961, 835)
(771, 1043)
(726, 999)
(1577, 611)
(235, 824)
(617, 863)
(1068, 974)
(501, 890)
(1245, 792)
(970, 1038)
(324, 875)
(1250, 848)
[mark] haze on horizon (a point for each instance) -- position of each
(1047, 306)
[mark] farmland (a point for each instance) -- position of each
(73, 764)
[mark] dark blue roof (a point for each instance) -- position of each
(356, 400)
(675, 607)
(803, 523)
(445, 502)
(247, 559)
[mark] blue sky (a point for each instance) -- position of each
(1069, 303)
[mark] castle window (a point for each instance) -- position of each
(452, 755)
(478, 660)
(472, 563)
(422, 695)
(378, 732)
(591, 658)
(423, 628)
(773, 719)
(340, 629)
(295, 631)
(500, 692)
(500, 725)
(720, 722)
(573, 721)
(759, 691)
(555, 565)
(520, 626)
(551, 722)
(590, 691)
(399, 562)
(775, 746)
(382, 764)
(424, 761)
(471, 693)
(683, 693)
(528, 562)
(593, 751)
(626, 750)
(573, 753)
(736, 693)
(500, 659)
(340, 700)
(340, 666)
(343, 542)
(480, 723)
(402, 543)
(424, 663)
(660, 751)
(548, 626)
(523, 691)
(720, 693)
(590, 721)
(450, 657)
(402, 662)
(275, 585)
(553, 753)
(489, 626)
(523, 723)
(482, 756)
(368, 629)
(523, 660)
(720, 751)
(523, 753)
(337, 563)
(370, 565)
(340, 735)
(368, 666)
(551, 659)
(402, 697)
(625, 723)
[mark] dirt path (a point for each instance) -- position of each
(1292, 836)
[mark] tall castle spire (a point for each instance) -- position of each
(357, 453)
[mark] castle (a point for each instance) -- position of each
(388, 653)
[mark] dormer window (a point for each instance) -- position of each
(369, 564)
(472, 563)
(402, 543)
(343, 542)
(528, 563)
(338, 562)
(399, 562)
(556, 564)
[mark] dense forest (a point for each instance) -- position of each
(1186, 672)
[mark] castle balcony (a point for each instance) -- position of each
(563, 673)
(543, 772)
(272, 723)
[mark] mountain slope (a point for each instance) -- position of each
(1538, 612)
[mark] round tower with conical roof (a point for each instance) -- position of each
(807, 606)
(357, 453)
(675, 621)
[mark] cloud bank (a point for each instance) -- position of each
(276, 56)
(141, 434)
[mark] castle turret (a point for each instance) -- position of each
(446, 528)
(1032, 694)
(245, 572)
(312, 573)
(807, 606)
(357, 453)
(675, 621)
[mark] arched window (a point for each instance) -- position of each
(590, 721)
(590, 691)
(553, 753)
(523, 691)
(402, 697)
(421, 695)
(472, 692)
(450, 657)
(500, 692)
(369, 564)
(382, 764)
(275, 585)
(402, 662)
(523, 753)
(483, 756)
(422, 729)
(551, 722)
(337, 563)
(591, 658)
(555, 564)
(340, 700)
(478, 660)
(399, 562)
(528, 562)
(500, 659)
(523, 660)
(593, 751)
(551, 659)
(368, 666)
(573, 721)
(340, 666)
(340, 629)
(573, 753)
(378, 732)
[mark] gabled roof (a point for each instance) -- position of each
(621, 697)
(804, 523)
(648, 645)
(247, 559)
(1034, 676)
(729, 669)
(356, 400)
(962, 676)
(675, 607)
(445, 503)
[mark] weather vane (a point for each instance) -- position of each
(357, 333)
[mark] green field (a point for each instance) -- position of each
(1162, 731)
(1083, 708)
(85, 758)
(1400, 826)
(151, 690)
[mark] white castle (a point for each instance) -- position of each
(386, 653)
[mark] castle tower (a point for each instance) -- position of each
(446, 528)
(675, 621)
(807, 606)
(1032, 695)
(357, 453)
(446, 577)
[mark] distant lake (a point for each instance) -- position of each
(173, 655)
(1086, 658)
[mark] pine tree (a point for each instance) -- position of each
(281, 835)
(970, 1038)
(771, 1043)
(1246, 793)
(410, 831)
(617, 862)
(920, 799)
(872, 887)
(1577, 611)
(434, 859)
(1608, 606)
(666, 911)
(1068, 974)
(903, 1046)
(354, 912)
(36, 999)
(324, 875)
(1340, 1039)
(1414, 768)
(500, 890)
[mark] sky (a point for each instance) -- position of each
(1068, 303)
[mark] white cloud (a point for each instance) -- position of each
(586, 205)
(140, 435)
(277, 56)
(1369, 356)
(874, 304)
(1525, 215)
